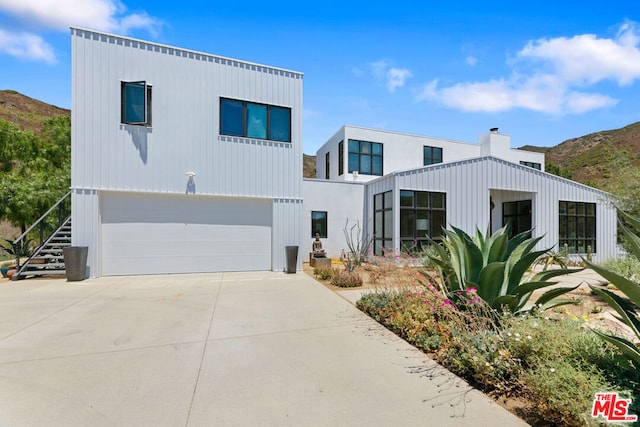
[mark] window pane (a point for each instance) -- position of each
(438, 222)
(319, 223)
(563, 208)
(406, 223)
(422, 199)
(388, 200)
(591, 209)
(388, 225)
(437, 201)
(280, 124)
(571, 208)
(524, 207)
(509, 208)
(365, 164)
(134, 103)
(365, 147)
(230, 117)
(376, 148)
(406, 198)
(377, 247)
(377, 202)
(256, 121)
(354, 146)
(377, 224)
(563, 227)
(377, 165)
(437, 155)
(580, 208)
(591, 227)
(571, 227)
(354, 162)
(422, 223)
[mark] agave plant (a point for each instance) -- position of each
(496, 266)
(626, 313)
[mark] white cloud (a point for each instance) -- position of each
(547, 73)
(396, 78)
(104, 15)
(471, 60)
(26, 46)
(391, 77)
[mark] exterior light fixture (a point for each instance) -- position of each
(190, 174)
(355, 175)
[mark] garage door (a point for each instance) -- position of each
(153, 234)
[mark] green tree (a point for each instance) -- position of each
(35, 171)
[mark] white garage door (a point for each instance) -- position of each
(152, 234)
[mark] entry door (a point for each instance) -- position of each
(518, 216)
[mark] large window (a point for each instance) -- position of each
(327, 165)
(252, 120)
(577, 221)
(383, 223)
(431, 155)
(341, 158)
(517, 215)
(319, 224)
(365, 157)
(531, 164)
(422, 215)
(135, 103)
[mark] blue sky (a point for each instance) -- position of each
(541, 71)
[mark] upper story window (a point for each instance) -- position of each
(252, 120)
(327, 165)
(431, 155)
(365, 157)
(341, 158)
(531, 165)
(135, 103)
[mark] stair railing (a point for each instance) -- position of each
(62, 209)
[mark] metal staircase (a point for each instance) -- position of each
(47, 258)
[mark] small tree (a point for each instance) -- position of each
(358, 245)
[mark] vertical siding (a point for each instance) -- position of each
(470, 183)
(287, 231)
(85, 225)
(186, 89)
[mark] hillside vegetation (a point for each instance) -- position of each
(27, 113)
(595, 159)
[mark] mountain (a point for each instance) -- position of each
(596, 158)
(308, 166)
(27, 113)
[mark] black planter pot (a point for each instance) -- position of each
(75, 262)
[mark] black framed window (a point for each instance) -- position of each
(422, 214)
(327, 165)
(431, 155)
(253, 120)
(577, 226)
(383, 223)
(517, 215)
(135, 103)
(319, 223)
(341, 158)
(365, 157)
(533, 165)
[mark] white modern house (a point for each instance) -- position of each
(403, 188)
(184, 161)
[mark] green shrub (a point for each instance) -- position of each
(324, 273)
(626, 312)
(627, 266)
(347, 279)
(496, 266)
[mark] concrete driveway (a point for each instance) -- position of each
(232, 349)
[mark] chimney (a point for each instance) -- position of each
(493, 130)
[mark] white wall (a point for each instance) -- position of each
(186, 91)
(468, 185)
(342, 201)
(403, 152)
